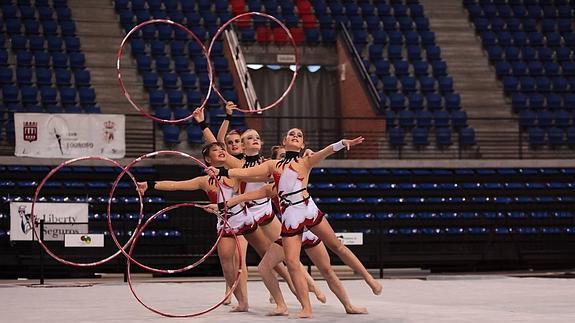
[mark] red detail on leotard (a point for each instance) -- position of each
(309, 223)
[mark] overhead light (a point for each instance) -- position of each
(274, 67)
(255, 66)
(313, 68)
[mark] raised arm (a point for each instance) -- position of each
(200, 119)
(226, 123)
(331, 149)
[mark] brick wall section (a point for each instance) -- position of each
(355, 103)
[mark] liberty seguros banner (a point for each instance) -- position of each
(60, 219)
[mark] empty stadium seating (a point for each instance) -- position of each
(531, 45)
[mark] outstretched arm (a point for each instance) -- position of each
(260, 171)
(333, 148)
(226, 123)
(264, 191)
(187, 185)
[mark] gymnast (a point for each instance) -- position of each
(260, 209)
(291, 175)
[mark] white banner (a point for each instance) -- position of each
(66, 215)
(350, 238)
(84, 240)
(47, 135)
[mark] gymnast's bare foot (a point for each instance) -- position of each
(320, 295)
(301, 315)
(376, 287)
(279, 311)
(240, 308)
(350, 309)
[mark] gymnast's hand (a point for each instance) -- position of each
(230, 106)
(198, 115)
(142, 187)
(211, 208)
(212, 171)
(348, 143)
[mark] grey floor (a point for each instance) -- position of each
(471, 298)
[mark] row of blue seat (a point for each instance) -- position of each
(480, 230)
(541, 85)
(534, 40)
(52, 44)
(13, 26)
(542, 171)
(552, 59)
(44, 77)
(425, 119)
(545, 119)
(495, 200)
(442, 171)
(114, 216)
(416, 101)
(453, 215)
(406, 84)
(74, 169)
(420, 137)
(326, 185)
(145, 234)
(82, 199)
(55, 60)
(68, 96)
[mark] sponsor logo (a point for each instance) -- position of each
(30, 131)
(86, 239)
(109, 130)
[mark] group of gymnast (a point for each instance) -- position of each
(258, 192)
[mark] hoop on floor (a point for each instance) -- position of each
(111, 228)
(39, 188)
(130, 259)
(292, 40)
(121, 80)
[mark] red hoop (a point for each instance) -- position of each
(34, 226)
(121, 81)
(292, 40)
(130, 259)
(111, 229)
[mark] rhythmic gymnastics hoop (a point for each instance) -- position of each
(130, 259)
(39, 188)
(292, 40)
(111, 228)
(121, 80)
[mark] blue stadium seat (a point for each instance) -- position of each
(467, 137)
(424, 119)
(420, 136)
(396, 137)
(527, 118)
(536, 137)
(443, 137)
(555, 136)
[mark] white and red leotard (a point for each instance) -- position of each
(260, 209)
(239, 222)
(297, 212)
